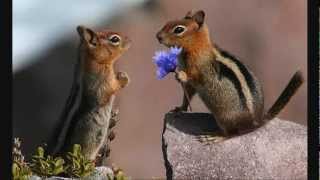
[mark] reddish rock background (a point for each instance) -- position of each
(269, 36)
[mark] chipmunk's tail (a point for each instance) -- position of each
(294, 84)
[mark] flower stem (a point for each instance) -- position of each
(187, 95)
(185, 91)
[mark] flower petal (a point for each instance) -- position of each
(161, 73)
(166, 61)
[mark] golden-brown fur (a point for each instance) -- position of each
(95, 85)
(98, 56)
(226, 86)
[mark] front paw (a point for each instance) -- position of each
(178, 109)
(181, 76)
(123, 78)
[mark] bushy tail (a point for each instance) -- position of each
(294, 84)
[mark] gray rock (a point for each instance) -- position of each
(33, 177)
(100, 173)
(57, 178)
(277, 150)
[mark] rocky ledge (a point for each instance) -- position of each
(277, 150)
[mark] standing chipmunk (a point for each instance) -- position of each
(226, 86)
(95, 84)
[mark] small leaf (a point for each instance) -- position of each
(58, 170)
(40, 152)
(77, 149)
(59, 162)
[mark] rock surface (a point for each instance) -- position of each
(277, 150)
(100, 173)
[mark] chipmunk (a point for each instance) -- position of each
(95, 84)
(226, 86)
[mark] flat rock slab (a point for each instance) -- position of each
(277, 150)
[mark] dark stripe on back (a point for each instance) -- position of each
(247, 75)
(229, 74)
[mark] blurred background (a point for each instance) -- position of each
(269, 36)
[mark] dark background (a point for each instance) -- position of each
(269, 36)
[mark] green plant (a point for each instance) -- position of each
(118, 174)
(46, 166)
(20, 172)
(20, 169)
(78, 165)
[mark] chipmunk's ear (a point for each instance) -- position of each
(87, 35)
(189, 14)
(199, 17)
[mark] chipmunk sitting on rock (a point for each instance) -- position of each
(95, 84)
(226, 86)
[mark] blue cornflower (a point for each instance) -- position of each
(166, 61)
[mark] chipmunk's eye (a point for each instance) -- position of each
(178, 30)
(114, 39)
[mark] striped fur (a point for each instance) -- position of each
(245, 88)
(228, 73)
(226, 86)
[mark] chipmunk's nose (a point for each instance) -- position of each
(159, 37)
